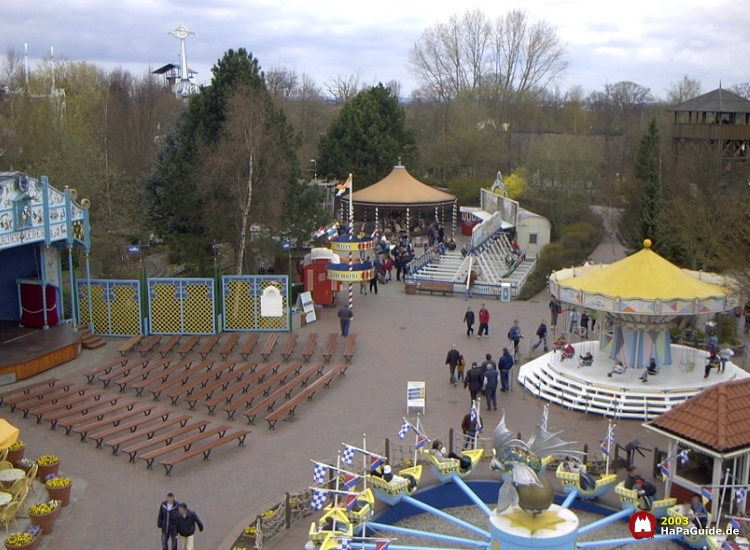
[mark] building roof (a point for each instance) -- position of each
(647, 276)
(717, 101)
(171, 67)
(401, 189)
(717, 418)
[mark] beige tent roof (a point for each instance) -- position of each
(400, 188)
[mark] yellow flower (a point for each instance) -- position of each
(19, 539)
(47, 460)
(268, 513)
(251, 530)
(17, 445)
(58, 483)
(44, 507)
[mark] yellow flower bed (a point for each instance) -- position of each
(44, 507)
(47, 460)
(17, 445)
(58, 483)
(268, 514)
(251, 530)
(19, 539)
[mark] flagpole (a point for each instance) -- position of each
(351, 242)
(364, 463)
(479, 421)
(721, 498)
(609, 450)
(338, 481)
(416, 440)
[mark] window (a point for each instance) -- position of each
(532, 238)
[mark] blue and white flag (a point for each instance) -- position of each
(739, 495)
(318, 499)
(664, 467)
(348, 456)
(684, 457)
(344, 544)
(474, 416)
(319, 472)
(608, 444)
(404, 429)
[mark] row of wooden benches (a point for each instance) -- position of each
(153, 344)
(92, 416)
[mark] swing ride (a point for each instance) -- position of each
(638, 299)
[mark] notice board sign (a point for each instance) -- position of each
(416, 395)
(306, 302)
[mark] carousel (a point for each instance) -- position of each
(633, 369)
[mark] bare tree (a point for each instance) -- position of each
(741, 89)
(683, 90)
(341, 88)
(395, 87)
(626, 94)
(282, 82)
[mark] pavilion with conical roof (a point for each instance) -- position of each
(642, 293)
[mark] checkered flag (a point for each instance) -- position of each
(404, 429)
(344, 544)
(348, 456)
(739, 495)
(319, 472)
(684, 457)
(318, 499)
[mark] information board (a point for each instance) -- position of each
(416, 395)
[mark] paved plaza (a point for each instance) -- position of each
(400, 339)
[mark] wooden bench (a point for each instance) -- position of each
(228, 346)
(51, 397)
(435, 286)
(351, 347)
(163, 376)
(285, 391)
(124, 370)
(258, 377)
(136, 429)
(201, 382)
(204, 449)
(241, 384)
(80, 406)
(25, 390)
(70, 423)
(209, 346)
(147, 345)
(330, 347)
(249, 346)
(309, 349)
(142, 374)
(289, 346)
(169, 345)
(183, 378)
(114, 420)
(184, 444)
(208, 390)
(128, 346)
(188, 346)
(18, 397)
(104, 369)
(167, 437)
(269, 345)
(307, 394)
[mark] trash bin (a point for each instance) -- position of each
(411, 288)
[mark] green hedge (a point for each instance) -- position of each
(577, 241)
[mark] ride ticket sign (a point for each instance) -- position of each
(644, 525)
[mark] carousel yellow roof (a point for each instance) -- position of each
(647, 276)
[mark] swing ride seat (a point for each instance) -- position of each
(629, 499)
(681, 511)
(391, 493)
(570, 481)
(443, 470)
(343, 526)
(365, 505)
(331, 541)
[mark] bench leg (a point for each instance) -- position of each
(242, 440)
(250, 419)
(206, 454)
(150, 464)
(271, 424)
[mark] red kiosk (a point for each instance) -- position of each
(315, 275)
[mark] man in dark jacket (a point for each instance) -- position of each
(167, 522)
(541, 332)
(345, 318)
(186, 522)
(514, 335)
(474, 380)
(488, 363)
(491, 377)
(452, 360)
(469, 320)
(506, 364)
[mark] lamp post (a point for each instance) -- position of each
(315, 168)
(286, 245)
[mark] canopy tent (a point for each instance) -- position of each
(8, 434)
(400, 189)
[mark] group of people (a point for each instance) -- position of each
(514, 333)
(177, 522)
(484, 378)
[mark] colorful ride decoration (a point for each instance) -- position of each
(571, 481)
(359, 272)
(629, 500)
(643, 293)
(391, 492)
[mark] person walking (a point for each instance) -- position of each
(506, 365)
(541, 332)
(592, 316)
(555, 309)
(374, 280)
(469, 428)
(346, 315)
(187, 520)
(484, 322)
(474, 381)
(469, 320)
(514, 335)
(460, 368)
(167, 522)
(488, 363)
(452, 361)
(574, 317)
(491, 378)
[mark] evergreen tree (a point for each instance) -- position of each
(367, 138)
(643, 215)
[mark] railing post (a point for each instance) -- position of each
(585, 453)
(258, 533)
(287, 510)
(388, 450)
(450, 440)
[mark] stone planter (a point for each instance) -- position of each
(411, 288)
(14, 456)
(31, 546)
(45, 521)
(62, 494)
(44, 471)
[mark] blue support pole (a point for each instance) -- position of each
(570, 498)
(447, 517)
(625, 541)
(381, 527)
(43, 277)
(606, 520)
(369, 546)
(471, 494)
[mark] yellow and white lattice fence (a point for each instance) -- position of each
(181, 306)
(114, 308)
(255, 302)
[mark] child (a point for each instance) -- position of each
(460, 366)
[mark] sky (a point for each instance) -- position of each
(651, 42)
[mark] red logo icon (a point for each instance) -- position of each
(642, 525)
